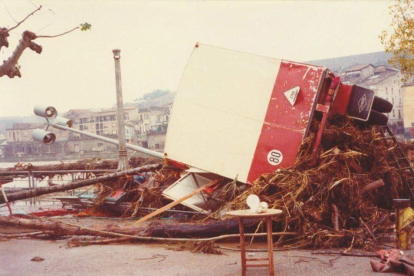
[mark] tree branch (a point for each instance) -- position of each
(9, 67)
(51, 36)
(18, 24)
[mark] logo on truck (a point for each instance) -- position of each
(362, 103)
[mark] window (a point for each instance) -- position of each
(392, 91)
(80, 127)
(146, 116)
(386, 90)
(100, 144)
(140, 116)
(399, 114)
(393, 113)
(392, 100)
(85, 127)
(112, 118)
(113, 131)
(157, 146)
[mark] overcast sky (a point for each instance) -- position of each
(156, 40)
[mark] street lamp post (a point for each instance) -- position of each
(123, 162)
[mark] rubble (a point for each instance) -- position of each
(328, 201)
(317, 198)
(333, 177)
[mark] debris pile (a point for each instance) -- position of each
(138, 194)
(341, 198)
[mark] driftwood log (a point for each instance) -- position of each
(152, 231)
(372, 186)
(85, 164)
(64, 229)
(75, 184)
(207, 229)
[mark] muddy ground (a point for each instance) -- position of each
(155, 259)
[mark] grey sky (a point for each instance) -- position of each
(156, 40)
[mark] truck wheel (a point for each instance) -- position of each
(377, 118)
(381, 105)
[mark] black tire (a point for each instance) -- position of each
(377, 118)
(381, 105)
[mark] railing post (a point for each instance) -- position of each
(72, 191)
(34, 187)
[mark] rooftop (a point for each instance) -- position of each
(79, 113)
(358, 67)
(379, 78)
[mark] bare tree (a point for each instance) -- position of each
(10, 66)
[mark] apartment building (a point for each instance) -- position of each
(386, 83)
(101, 122)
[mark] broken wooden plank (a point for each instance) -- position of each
(176, 202)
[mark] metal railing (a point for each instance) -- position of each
(23, 180)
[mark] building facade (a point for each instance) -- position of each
(145, 127)
(386, 82)
(408, 104)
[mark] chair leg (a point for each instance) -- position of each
(242, 246)
(270, 244)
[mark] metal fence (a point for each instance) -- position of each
(23, 180)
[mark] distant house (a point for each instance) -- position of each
(152, 126)
(20, 141)
(3, 144)
(22, 132)
(408, 103)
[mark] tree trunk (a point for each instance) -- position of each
(206, 229)
(152, 231)
(76, 184)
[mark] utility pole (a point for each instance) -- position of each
(123, 162)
